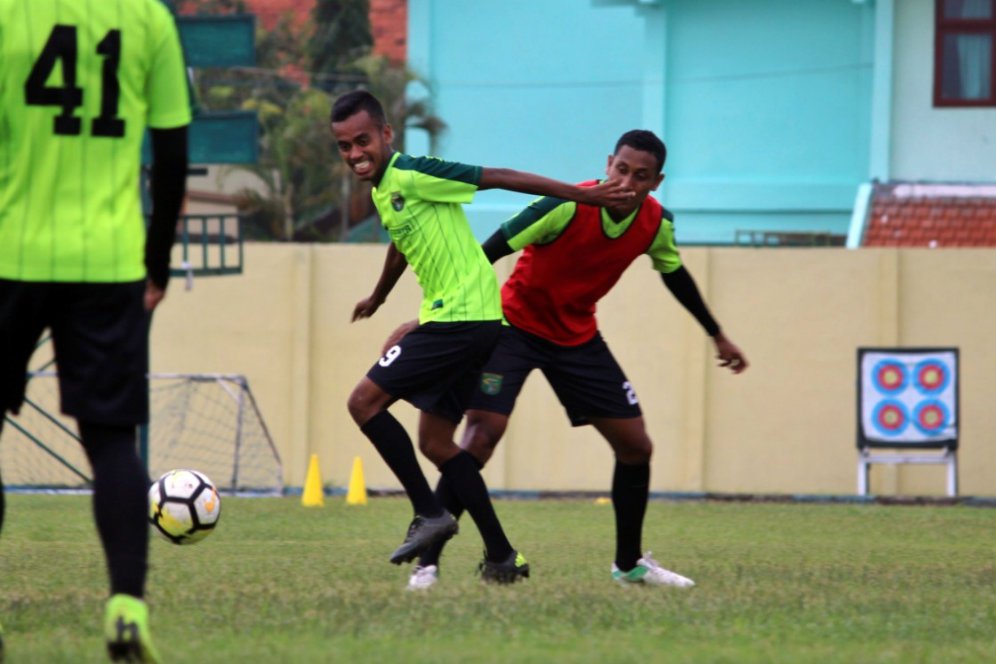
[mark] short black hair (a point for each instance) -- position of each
(645, 141)
(353, 102)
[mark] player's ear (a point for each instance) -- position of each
(657, 182)
(608, 164)
(388, 133)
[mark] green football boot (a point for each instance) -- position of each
(126, 629)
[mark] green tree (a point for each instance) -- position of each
(294, 167)
(341, 35)
(305, 191)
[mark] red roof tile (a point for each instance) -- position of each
(921, 215)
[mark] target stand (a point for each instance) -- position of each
(908, 410)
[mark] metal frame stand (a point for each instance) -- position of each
(948, 457)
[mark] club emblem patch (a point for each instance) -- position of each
(491, 383)
(397, 201)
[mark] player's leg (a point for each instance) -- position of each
(593, 388)
(119, 503)
(23, 309)
(368, 405)
(630, 482)
(630, 494)
(492, 400)
(23, 317)
(433, 367)
(100, 336)
(120, 509)
(481, 435)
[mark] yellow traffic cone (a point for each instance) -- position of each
(357, 494)
(313, 495)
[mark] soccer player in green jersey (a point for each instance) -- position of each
(79, 83)
(436, 366)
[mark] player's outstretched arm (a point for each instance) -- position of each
(604, 194)
(394, 266)
(683, 287)
(168, 186)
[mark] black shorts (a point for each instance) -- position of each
(587, 379)
(436, 366)
(100, 337)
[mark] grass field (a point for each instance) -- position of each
(281, 583)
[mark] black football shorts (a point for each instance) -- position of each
(99, 335)
(437, 365)
(587, 379)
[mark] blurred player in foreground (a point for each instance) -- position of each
(79, 82)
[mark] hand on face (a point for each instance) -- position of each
(634, 172)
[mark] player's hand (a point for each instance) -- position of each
(366, 308)
(729, 355)
(398, 334)
(608, 194)
(153, 295)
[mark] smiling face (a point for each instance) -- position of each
(364, 145)
(637, 170)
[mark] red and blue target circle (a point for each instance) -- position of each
(890, 376)
(931, 417)
(931, 377)
(890, 417)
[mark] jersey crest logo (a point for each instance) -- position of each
(397, 201)
(491, 383)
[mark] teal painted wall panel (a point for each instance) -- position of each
(766, 103)
(527, 85)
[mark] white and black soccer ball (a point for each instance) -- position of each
(184, 506)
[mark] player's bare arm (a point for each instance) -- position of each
(394, 266)
(605, 194)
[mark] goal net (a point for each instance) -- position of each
(207, 422)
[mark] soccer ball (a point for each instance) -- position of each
(184, 506)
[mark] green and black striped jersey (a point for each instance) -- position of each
(79, 82)
(420, 201)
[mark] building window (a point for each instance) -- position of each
(965, 53)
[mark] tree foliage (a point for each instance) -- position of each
(306, 192)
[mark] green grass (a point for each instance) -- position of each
(281, 583)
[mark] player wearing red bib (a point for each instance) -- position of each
(572, 256)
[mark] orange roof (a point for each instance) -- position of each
(907, 214)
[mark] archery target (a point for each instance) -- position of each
(908, 397)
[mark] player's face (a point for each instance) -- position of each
(364, 145)
(637, 171)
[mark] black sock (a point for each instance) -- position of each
(120, 503)
(450, 502)
(464, 478)
(630, 491)
(395, 447)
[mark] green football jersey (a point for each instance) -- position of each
(79, 82)
(420, 201)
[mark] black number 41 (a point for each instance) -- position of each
(61, 47)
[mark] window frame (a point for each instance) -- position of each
(944, 27)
